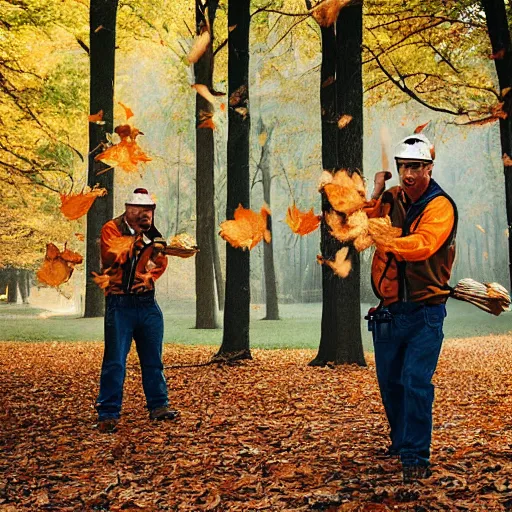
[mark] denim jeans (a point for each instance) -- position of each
(126, 317)
(406, 353)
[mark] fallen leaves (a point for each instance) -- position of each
(57, 266)
(247, 228)
(268, 434)
(74, 206)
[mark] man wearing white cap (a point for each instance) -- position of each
(410, 276)
(132, 260)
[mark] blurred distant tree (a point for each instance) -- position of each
(102, 36)
(206, 307)
(265, 138)
(235, 340)
(341, 94)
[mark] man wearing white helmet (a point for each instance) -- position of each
(132, 260)
(410, 276)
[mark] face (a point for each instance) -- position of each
(414, 177)
(139, 218)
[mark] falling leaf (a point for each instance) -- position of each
(238, 97)
(344, 120)
(420, 128)
(121, 248)
(326, 12)
(200, 45)
(127, 110)
(480, 228)
(57, 267)
(97, 118)
(127, 154)
(207, 123)
(74, 206)
(247, 229)
(355, 225)
(505, 91)
(498, 55)
(341, 266)
(97, 29)
(507, 161)
(346, 194)
(498, 112)
(207, 95)
(302, 223)
(242, 111)
(328, 81)
(80, 237)
(232, 27)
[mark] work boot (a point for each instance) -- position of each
(163, 413)
(415, 472)
(108, 425)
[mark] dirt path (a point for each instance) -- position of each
(271, 434)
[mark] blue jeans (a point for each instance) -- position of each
(126, 317)
(406, 353)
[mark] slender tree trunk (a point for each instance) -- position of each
(219, 281)
(23, 283)
(102, 71)
(235, 341)
(341, 94)
(497, 26)
(272, 307)
(206, 307)
(12, 283)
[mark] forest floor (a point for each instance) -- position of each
(267, 434)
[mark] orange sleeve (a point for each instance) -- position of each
(161, 265)
(433, 230)
(108, 233)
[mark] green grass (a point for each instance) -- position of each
(298, 328)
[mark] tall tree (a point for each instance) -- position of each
(499, 34)
(103, 14)
(235, 340)
(341, 95)
(272, 306)
(206, 307)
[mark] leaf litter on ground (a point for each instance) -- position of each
(267, 434)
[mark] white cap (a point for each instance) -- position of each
(140, 197)
(415, 147)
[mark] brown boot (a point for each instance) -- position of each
(108, 425)
(163, 413)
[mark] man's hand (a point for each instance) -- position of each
(379, 183)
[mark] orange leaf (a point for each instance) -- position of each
(207, 123)
(356, 225)
(247, 229)
(302, 223)
(57, 267)
(499, 55)
(326, 12)
(419, 128)
(80, 236)
(97, 118)
(73, 258)
(74, 206)
(126, 155)
(122, 248)
(507, 161)
(346, 194)
(341, 266)
(344, 120)
(127, 110)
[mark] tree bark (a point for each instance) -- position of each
(235, 340)
(341, 94)
(219, 281)
(12, 283)
(102, 71)
(272, 307)
(206, 307)
(499, 34)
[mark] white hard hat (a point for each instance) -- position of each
(415, 147)
(140, 197)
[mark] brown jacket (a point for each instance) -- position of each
(417, 266)
(127, 260)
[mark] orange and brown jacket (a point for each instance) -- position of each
(125, 258)
(416, 266)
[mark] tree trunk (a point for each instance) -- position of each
(102, 72)
(235, 340)
(497, 26)
(12, 283)
(24, 285)
(219, 281)
(341, 94)
(206, 307)
(272, 307)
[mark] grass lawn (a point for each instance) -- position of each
(298, 328)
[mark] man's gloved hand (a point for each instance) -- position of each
(379, 183)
